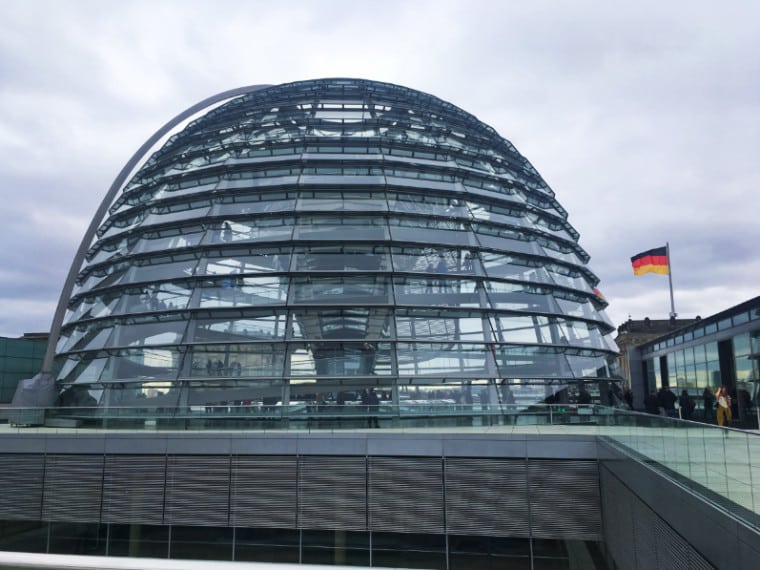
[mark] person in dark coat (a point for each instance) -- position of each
(372, 403)
(668, 401)
(584, 397)
(708, 401)
(687, 405)
(652, 403)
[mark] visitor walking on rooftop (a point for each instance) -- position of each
(724, 406)
(667, 401)
(651, 403)
(687, 404)
(708, 401)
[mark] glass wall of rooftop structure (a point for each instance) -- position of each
(310, 242)
(723, 349)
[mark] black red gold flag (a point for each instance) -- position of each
(651, 261)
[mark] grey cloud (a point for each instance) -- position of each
(644, 116)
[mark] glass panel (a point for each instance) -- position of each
(340, 359)
(159, 297)
(341, 290)
(741, 318)
(677, 376)
(246, 292)
(755, 340)
(159, 363)
(201, 542)
(164, 216)
(78, 538)
(301, 362)
(581, 309)
(341, 324)
(105, 277)
(343, 229)
(533, 361)
(713, 370)
(83, 369)
(259, 203)
(527, 329)
(238, 396)
(108, 250)
(440, 325)
(448, 291)
(264, 261)
(264, 327)
(463, 360)
(238, 360)
(147, 333)
(159, 271)
(92, 307)
(90, 336)
(701, 375)
(264, 229)
(24, 536)
(139, 540)
(402, 541)
(741, 345)
(338, 555)
(342, 258)
(426, 235)
(521, 297)
(337, 201)
(427, 205)
(335, 539)
(699, 355)
(169, 239)
(266, 545)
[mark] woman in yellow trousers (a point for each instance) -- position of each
(724, 406)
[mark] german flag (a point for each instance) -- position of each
(651, 261)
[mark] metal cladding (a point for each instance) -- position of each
(318, 238)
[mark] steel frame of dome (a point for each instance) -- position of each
(315, 239)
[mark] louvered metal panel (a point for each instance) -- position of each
(698, 562)
(564, 499)
(406, 494)
(197, 490)
(487, 497)
(264, 492)
(133, 489)
(617, 518)
(644, 537)
(637, 538)
(672, 551)
(332, 493)
(21, 479)
(72, 489)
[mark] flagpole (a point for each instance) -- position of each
(673, 313)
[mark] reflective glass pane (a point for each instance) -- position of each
(237, 360)
(243, 292)
(231, 329)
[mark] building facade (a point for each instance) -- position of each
(19, 358)
(720, 350)
(632, 334)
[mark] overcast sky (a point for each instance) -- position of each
(643, 116)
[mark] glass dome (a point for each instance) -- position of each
(306, 242)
